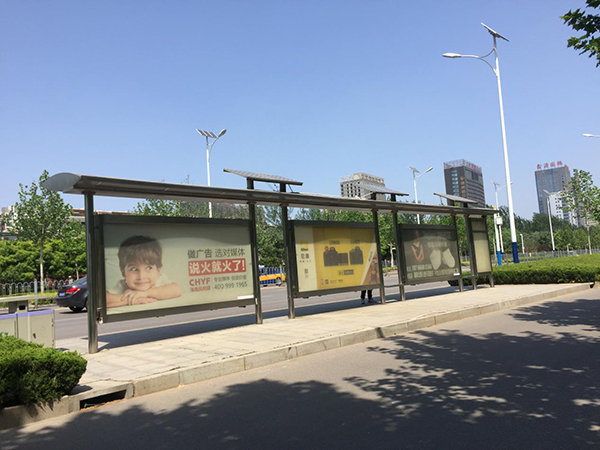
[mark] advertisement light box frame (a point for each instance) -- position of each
(402, 253)
(103, 220)
(309, 223)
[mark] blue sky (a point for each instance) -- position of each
(312, 90)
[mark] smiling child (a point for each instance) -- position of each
(140, 261)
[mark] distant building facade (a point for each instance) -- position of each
(558, 209)
(5, 229)
(551, 177)
(361, 185)
(464, 179)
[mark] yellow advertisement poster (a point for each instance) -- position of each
(332, 257)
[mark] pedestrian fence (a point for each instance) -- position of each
(30, 287)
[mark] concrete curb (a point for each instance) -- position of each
(111, 390)
(16, 416)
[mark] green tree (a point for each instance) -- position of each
(38, 216)
(583, 197)
(589, 24)
(18, 260)
(67, 256)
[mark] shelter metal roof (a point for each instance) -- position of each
(70, 183)
(263, 177)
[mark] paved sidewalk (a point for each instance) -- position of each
(154, 366)
(280, 338)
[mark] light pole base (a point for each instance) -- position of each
(515, 249)
(499, 254)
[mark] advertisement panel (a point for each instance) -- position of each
(430, 253)
(335, 256)
(153, 265)
(481, 245)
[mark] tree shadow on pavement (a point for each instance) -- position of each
(258, 415)
(440, 390)
(493, 390)
(581, 312)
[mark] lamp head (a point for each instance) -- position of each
(452, 55)
(428, 170)
(590, 135)
(223, 131)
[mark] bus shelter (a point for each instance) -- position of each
(153, 266)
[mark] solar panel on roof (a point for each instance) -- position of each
(455, 198)
(380, 189)
(263, 177)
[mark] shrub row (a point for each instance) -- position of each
(32, 374)
(570, 269)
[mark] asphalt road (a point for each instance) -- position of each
(274, 299)
(526, 378)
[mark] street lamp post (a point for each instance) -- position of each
(497, 225)
(209, 146)
(522, 244)
(415, 179)
(496, 70)
(550, 221)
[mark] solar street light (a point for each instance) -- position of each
(210, 135)
(496, 70)
(415, 179)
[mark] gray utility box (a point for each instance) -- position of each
(33, 326)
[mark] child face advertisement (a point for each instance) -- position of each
(430, 253)
(152, 266)
(330, 257)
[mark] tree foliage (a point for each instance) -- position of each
(39, 215)
(589, 24)
(583, 197)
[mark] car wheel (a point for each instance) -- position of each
(76, 308)
(278, 281)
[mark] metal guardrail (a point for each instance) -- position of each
(29, 287)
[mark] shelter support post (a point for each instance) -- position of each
(289, 264)
(379, 261)
(254, 246)
(398, 260)
(461, 286)
(491, 275)
(471, 246)
(92, 273)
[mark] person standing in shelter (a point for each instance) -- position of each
(369, 294)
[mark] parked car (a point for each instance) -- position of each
(74, 296)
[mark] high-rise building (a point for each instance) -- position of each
(551, 177)
(557, 208)
(361, 185)
(464, 179)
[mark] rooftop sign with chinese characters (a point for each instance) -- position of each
(552, 165)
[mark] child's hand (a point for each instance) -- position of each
(132, 297)
(143, 300)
